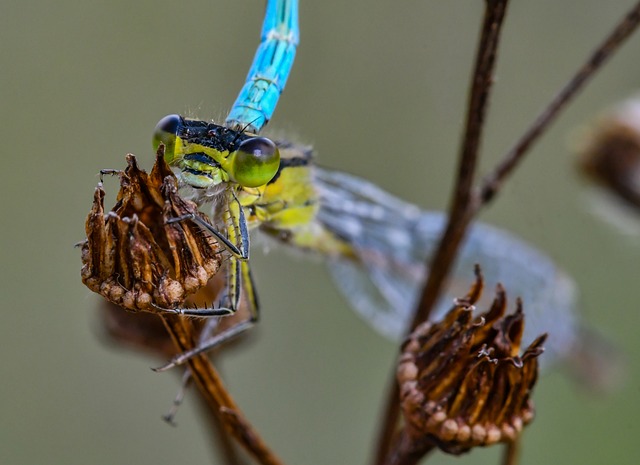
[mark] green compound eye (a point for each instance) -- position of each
(256, 162)
(165, 133)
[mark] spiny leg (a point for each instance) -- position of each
(236, 242)
(229, 333)
(109, 172)
(170, 416)
(237, 239)
(200, 312)
(238, 279)
(240, 253)
(208, 330)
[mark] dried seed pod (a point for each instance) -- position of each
(462, 382)
(610, 151)
(132, 257)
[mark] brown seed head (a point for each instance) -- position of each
(132, 257)
(462, 381)
(610, 152)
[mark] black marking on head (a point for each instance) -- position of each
(202, 158)
(211, 135)
(197, 172)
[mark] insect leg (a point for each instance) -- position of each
(238, 279)
(229, 333)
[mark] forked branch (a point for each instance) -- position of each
(467, 200)
(493, 182)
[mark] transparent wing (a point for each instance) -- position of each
(392, 240)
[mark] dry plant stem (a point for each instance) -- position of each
(467, 203)
(216, 396)
(463, 203)
(405, 451)
(224, 446)
(511, 453)
(460, 210)
(493, 182)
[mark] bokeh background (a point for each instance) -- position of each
(379, 89)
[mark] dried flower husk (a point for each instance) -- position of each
(610, 151)
(462, 381)
(132, 256)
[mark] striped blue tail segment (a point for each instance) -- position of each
(270, 68)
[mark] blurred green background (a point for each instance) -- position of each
(378, 88)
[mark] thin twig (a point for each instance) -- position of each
(493, 182)
(511, 452)
(224, 445)
(461, 205)
(215, 394)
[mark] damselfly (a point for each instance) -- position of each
(375, 244)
